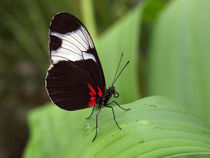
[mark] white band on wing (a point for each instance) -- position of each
(74, 46)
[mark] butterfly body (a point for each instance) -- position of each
(104, 99)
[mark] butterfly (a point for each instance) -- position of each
(75, 78)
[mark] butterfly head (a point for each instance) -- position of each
(112, 91)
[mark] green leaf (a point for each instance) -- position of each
(122, 37)
(179, 57)
(154, 127)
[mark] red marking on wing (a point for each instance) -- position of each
(92, 90)
(92, 101)
(92, 94)
(105, 89)
(99, 91)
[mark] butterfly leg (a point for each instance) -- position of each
(113, 115)
(97, 123)
(91, 113)
(118, 105)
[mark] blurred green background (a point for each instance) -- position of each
(166, 41)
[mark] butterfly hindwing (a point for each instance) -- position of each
(69, 86)
(75, 76)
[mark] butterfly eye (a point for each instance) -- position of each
(116, 94)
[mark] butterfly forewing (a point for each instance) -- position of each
(75, 40)
(75, 76)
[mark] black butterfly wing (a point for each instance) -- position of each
(75, 76)
(69, 86)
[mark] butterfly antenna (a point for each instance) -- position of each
(117, 67)
(120, 73)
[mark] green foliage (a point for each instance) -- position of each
(177, 66)
(110, 47)
(179, 57)
(155, 127)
